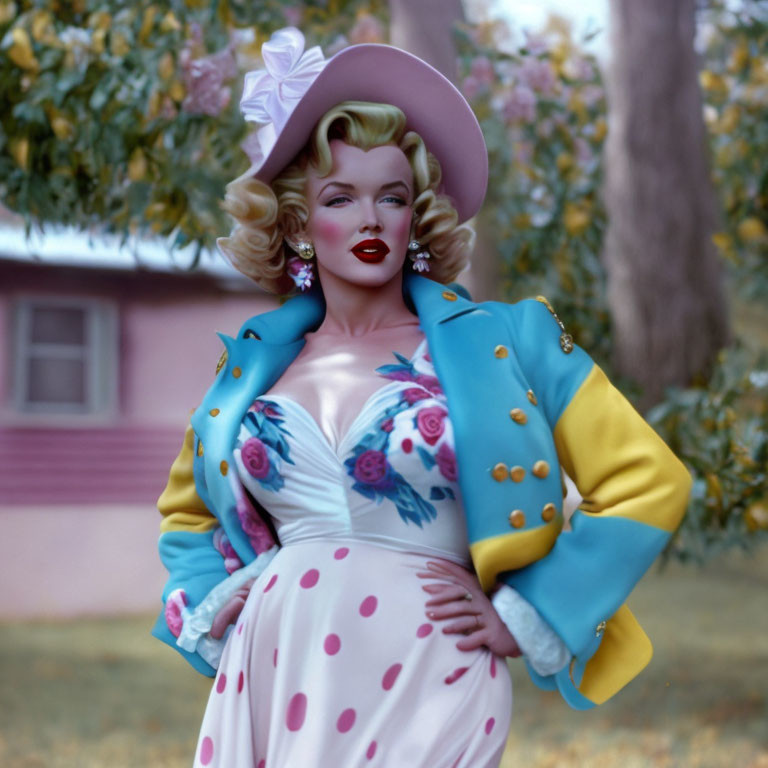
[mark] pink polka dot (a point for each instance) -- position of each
(271, 583)
(206, 750)
(424, 630)
(274, 658)
(341, 553)
(455, 675)
(309, 579)
(371, 751)
(240, 682)
(296, 712)
(221, 683)
(346, 720)
(240, 628)
(262, 763)
(390, 676)
(407, 445)
(489, 723)
(493, 666)
(332, 644)
(368, 606)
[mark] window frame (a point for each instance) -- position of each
(100, 355)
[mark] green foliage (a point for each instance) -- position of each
(735, 88)
(104, 124)
(721, 432)
(541, 105)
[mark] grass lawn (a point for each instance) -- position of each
(104, 693)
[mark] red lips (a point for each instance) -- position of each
(371, 251)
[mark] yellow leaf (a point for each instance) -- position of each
(137, 165)
(63, 129)
(97, 40)
(739, 57)
(20, 52)
(166, 66)
(8, 12)
(170, 23)
(177, 91)
(564, 162)
(711, 81)
(751, 229)
(147, 22)
(118, 45)
(601, 129)
(576, 218)
(756, 515)
(20, 152)
(41, 21)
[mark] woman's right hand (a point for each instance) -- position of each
(229, 612)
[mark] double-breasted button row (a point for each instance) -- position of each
(499, 472)
(517, 516)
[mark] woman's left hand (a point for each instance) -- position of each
(458, 595)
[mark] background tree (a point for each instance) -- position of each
(664, 279)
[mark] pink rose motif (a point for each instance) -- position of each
(431, 423)
(176, 601)
(371, 468)
(388, 425)
(414, 394)
(430, 382)
(446, 462)
(231, 561)
(255, 459)
(254, 527)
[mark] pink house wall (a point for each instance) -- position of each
(77, 508)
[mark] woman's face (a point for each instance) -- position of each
(360, 213)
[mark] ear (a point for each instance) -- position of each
(294, 238)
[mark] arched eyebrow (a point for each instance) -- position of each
(351, 187)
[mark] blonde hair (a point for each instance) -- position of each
(264, 214)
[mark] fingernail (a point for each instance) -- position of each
(431, 614)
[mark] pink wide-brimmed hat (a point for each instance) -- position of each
(298, 87)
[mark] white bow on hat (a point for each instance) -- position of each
(270, 95)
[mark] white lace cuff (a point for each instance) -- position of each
(194, 635)
(545, 651)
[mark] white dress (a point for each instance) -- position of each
(333, 661)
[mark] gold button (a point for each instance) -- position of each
(541, 469)
(224, 468)
(517, 518)
(518, 416)
(517, 474)
(548, 512)
(449, 296)
(237, 371)
(599, 629)
(532, 397)
(500, 351)
(199, 447)
(499, 472)
(214, 411)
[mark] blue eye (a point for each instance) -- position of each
(394, 199)
(335, 200)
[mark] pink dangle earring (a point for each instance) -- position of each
(300, 268)
(419, 256)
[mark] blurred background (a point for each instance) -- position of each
(629, 185)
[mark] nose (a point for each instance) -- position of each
(370, 217)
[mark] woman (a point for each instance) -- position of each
(379, 475)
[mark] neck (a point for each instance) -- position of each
(356, 310)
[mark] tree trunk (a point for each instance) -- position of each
(425, 28)
(664, 280)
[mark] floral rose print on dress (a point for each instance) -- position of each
(264, 451)
(431, 423)
(174, 607)
(223, 546)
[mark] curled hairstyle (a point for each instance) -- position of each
(264, 214)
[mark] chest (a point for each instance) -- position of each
(333, 378)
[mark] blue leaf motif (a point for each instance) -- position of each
(426, 457)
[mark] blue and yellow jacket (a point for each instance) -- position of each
(524, 401)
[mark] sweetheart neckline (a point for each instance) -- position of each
(374, 395)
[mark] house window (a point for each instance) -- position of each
(65, 355)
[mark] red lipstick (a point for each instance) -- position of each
(371, 251)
